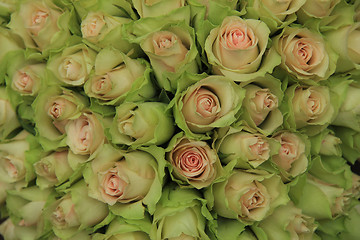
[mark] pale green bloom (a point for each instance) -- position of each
(154, 8)
(8, 118)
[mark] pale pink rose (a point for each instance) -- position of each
(194, 162)
(23, 82)
(92, 25)
(84, 134)
(64, 215)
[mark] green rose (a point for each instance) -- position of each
(137, 124)
(206, 103)
(8, 118)
(154, 8)
(350, 140)
(118, 78)
(316, 9)
(237, 49)
(127, 181)
(180, 214)
(326, 143)
(73, 65)
(248, 196)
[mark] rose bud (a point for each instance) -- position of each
(350, 143)
(316, 9)
(126, 181)
(180, 214)
(192, 162)
(288, 222)
(236, 49)
(53, 169)
(8, 118)
(103, 30)
(137, 124)
(209, 103)
(25, 207)
(305, 55)
(85, 134)
(41, 24)
(292, 158)
(344, 41)
(248, 150)
(156, 8)
(119, 78)
(27, 80)
(326, 143)
(75, 211)
(73, 65)
(172, 51)
(248, 196)
(54, 107)
(125, 229)
(12, 159)
(311, 108)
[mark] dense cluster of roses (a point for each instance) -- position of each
(179, 119)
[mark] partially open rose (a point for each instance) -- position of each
(304, 54)
(154, 8)
(27, 80)
(84, 134)
(249, 195)
(236, 49)
(208, 103)
(193, 162)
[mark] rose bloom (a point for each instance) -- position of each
(282, 8)
(154, 8)
(84, 134)
(27, 80)
(318, 8)
(8, 117)
(210, 102)
(193, 162)
(304, 54)
(291, 158)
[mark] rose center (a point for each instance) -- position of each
(260, 148)
(313, 104)
(71, 69)
(39, 17)
(304, 52)
(11, 168)
(55, 110)
(165, 42)
(252, 199)
(24, 82)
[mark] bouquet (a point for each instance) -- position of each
(179, 119)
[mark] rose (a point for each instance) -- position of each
(41, 24)
(118, 78)
(330, 145)
(7, 229)
(350, 140)
(127, 181)
(304, 54)
(25, 207)
(123, 229)
(248, 150)
(192, 162)
(172, 51)
(247, 196)
(237, 48)
(12, 159)
(53, 169)
(310, 107)
(316, 9)
(27, 80)
(344, 41)
(208, 103)
(179, 205)
(154, 8)
(73, 65)
(8, 118)
(138, 124)
(288, 222)
(85, 134)
(74, 211)
(53, 108)
(292, 158)
(275, 13)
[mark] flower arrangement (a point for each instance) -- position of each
(179, 119)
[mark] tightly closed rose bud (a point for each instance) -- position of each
(248, 196)
(208, 103)
(85, 134)
(305, 55)
(127, 181)
(172, 51)
(53, 169)
(345, 42)
(154, 8)
(118, 78)
(237, 48)
(291, 159)
(38, 23)
(141, 124)
(73, 65)
(288, 222)
(180, 214)
(192, 162)
(74, 211)
(249, 150)
(8, 119)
